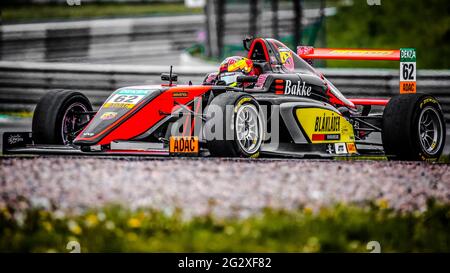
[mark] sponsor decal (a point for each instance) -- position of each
(407, 54)
(108, 115)
(261, 80)
(125, 98)
(340, 148)
(118, 105)
(321, 137)
(298, 89)
(286, 58)
(328, 123)
(433, 145)
(427, 100)
(330, 149)
(240, 103)
(141, 92)
(407, 87)
(324, 126)
(407, 70)
(332, 137)
(183, 145)
(179, 94)
(351, 148)
(13, 139)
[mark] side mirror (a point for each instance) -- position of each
(247, 42)
(168, 77)
(247, 79)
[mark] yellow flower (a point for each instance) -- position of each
(74, 227)
(91, 220)
(383, 203)
(134, 223)
(308, 210)
(47, 226)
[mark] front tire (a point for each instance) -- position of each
(413, 128)
(55, 119)
(239, 127)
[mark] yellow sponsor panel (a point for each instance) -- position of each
(325, 126)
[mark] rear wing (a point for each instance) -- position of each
(350, 54)
(406, 56)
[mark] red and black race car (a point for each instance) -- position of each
(287, 108)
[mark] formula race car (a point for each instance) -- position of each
(284, 107)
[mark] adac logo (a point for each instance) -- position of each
(108, 115)
(183, 145)
(299, 89)
(327, 123)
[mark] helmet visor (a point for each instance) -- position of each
(230, 78)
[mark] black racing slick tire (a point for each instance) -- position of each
(56, 117)
(413, 128)
(234, 126)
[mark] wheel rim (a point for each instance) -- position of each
(430, 130)
(71, 122)
(248, 128)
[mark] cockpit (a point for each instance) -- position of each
(270, 55)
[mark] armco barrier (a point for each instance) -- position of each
(23, 83)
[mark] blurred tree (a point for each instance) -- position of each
(423, 24)
(274, 8)
(298, 11)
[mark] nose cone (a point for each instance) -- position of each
(120, 105)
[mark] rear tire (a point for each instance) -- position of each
(413, 128)
(53, 117)
(242, 120)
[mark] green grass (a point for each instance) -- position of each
(17, 114)
(341, 228)
(22, 13)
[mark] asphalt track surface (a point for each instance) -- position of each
(224, 187)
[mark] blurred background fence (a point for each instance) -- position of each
(147, 40)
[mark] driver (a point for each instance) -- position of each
(231, 68)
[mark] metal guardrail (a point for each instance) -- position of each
(23, 83)
(144, 40)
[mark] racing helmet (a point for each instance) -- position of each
(235, 66)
